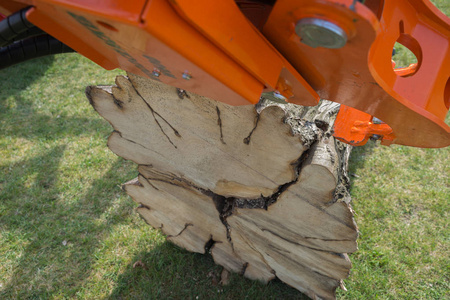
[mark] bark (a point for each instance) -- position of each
(262, 188)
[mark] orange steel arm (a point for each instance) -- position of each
(360, 74)
(211, 48)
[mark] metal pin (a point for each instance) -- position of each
(316, 32)
(375, 137)
(375, 120)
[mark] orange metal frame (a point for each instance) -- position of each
(360, 74)
(211, 48)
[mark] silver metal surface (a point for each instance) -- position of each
(186, 75)
(274, 96)
(316, 32)
(375, 120)
(156, 72)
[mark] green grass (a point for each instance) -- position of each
(401, 198)
(68, 231)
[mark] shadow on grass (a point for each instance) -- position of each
(169, 272)
(17, 78)
(55, 232)
(25, 111)
(61, 236)
(27, 72)
(359, 154)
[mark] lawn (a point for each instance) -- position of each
(67, 230)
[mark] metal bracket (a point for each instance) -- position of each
(355, 127)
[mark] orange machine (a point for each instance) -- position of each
(235, 51)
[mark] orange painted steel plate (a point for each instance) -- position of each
(225, 26)
(166, 25)
(148, 38)
(347, 75)
(355, 127)
(422, 28)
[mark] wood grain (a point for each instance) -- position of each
(262, 188)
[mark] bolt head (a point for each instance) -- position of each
(156, 72)
(316, 32)
(186, 75)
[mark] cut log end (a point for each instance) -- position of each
(263, 188)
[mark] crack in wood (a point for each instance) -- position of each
(181, 232)
(117, 102)
(322, 125)
(141, 205)
(247, 139)
(179, 179)
(225, 208)
(226, 205)
(142, 216)
(182, 93)
(279, 249)
(326, 240)
(285, 229)
(209, 244)
(265, 202)
(321, 208)
(154, 114)
(302, 245)
(162, 130)
(330, 153)
(244, 267)
(219, 122)
(294, 262)
(341, 255)
(260, 236)
(223, 204)
(149, 182)
(131, 141)
(261, 257)
(341, 191)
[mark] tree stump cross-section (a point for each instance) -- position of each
(263, 188)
